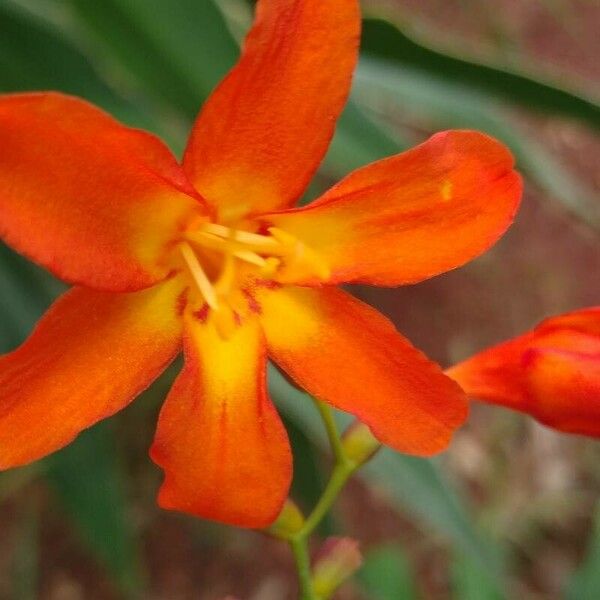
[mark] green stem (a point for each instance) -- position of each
(331, 429)
(299, 548)
(343, 469)
(341, 473)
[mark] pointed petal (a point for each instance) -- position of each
(89, 356)
(414, 215)
(346, 353)
(551, 373)
(93, 201)
(263, 132)
(222, 446)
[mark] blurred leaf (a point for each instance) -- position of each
(585, 583)
(86, 474)
(34, 55)
(307, 484)
(420, 485)
(416, 484)
(384, 40)
(182, 51)
(178, 50)
(470, 582)
(87, 477)
(359, 140)
(386, 574)
(417, 94)
(25, 555)
(26, 292)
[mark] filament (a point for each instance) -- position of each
(200, 278)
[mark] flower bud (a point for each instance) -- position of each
(337, 561)
(289, 521)
(359, 443)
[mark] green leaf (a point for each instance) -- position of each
(35, 55)
(470, 582)
(32, 57)
(308, 481)
(26, 292)
(585, 582)
(417, 94)
(416, 484)
(358, 141)
(179, 50)
(86, 474)
(384, 40)
(182, 52)
(386, 574)
(420, 485)
(88, 480)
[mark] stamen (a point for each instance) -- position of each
(227, 277)
(209, 240)
(250, 257)
(301, 254)
(270, 267)
(263, 244)
(199, 276)
(244, 237)
(283, 237)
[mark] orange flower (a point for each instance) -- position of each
(211, 252)
(552, 373)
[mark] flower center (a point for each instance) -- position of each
(224, 263)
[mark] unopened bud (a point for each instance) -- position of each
(289, 522)
(337, 561)
(359, 443)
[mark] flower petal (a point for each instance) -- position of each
(89, 356)
(565, 390)
(93, 201)
(496, 375)
(551, 373)
(346, 353)
(586, 320)
(414, 215)
(263, 132)
(220, 441)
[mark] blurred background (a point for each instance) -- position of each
(509, 511)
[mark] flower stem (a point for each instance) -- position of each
(343, 469)
(339, 477)
(299, 548)
(331, 429)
